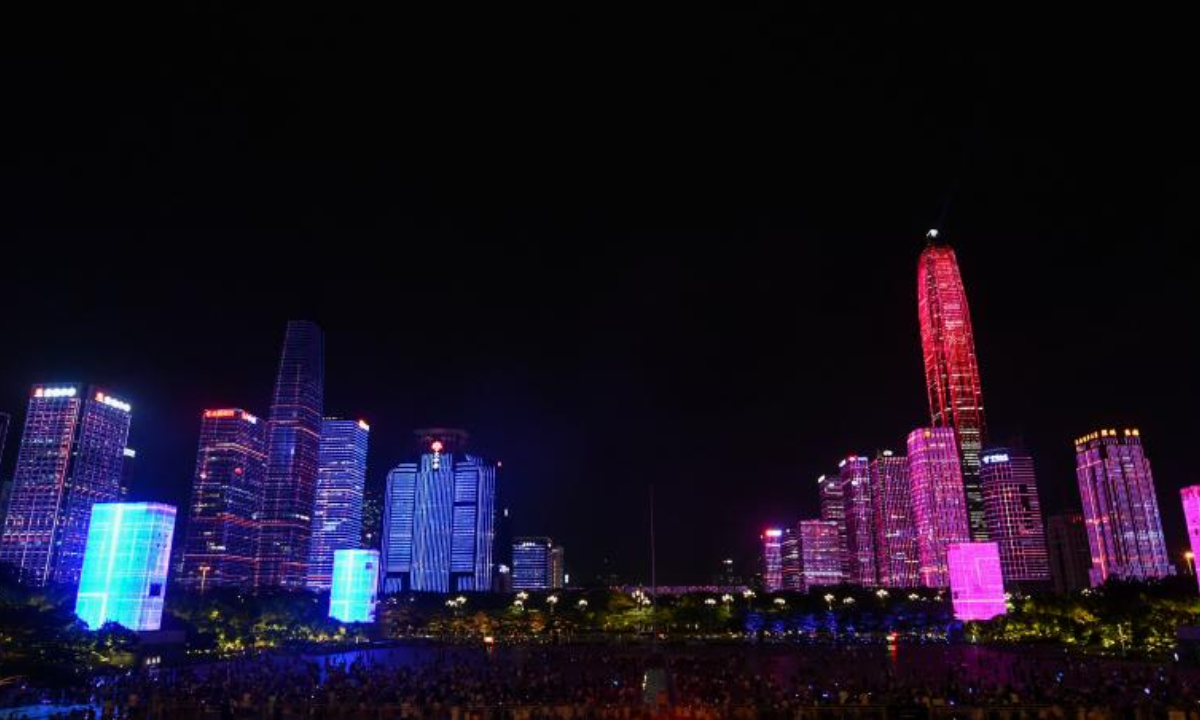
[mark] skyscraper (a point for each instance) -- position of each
(558, 567)
(1120, 508)
(293, 455)
(899, 560)
(939, 506)
(219, 544)
(854, 475)
(1191, 514)
(125, 564)
(532, 563)
(820, 553)
(833, 509)
(70, 458)
(439, 520)
(338, 508)
(1014, 516)
(1070, 558)
(951, 368)
(790, 562)
(772, 540)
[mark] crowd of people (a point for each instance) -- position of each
(604, 682)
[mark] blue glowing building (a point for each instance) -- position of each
(124, 577)
(439, 520)
(355, 584)
(338, 509)
(532, 563)
(71, 456)
(293, 455)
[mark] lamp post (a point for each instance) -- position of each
(1191, 562)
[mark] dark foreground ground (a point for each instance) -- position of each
(620, 681)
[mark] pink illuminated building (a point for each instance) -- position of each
(1191, 512)
(772, 559)
(854, 475)
(1014, 516)
(820, 554)
(833, 509)
(951, 368)
(1120, 509)
(976, 583)
(897, 560)
(938, 503)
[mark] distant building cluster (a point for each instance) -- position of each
(955, 512)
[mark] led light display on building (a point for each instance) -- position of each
(355, 585)
(124, 576)
(976, 582)
(1191, 512)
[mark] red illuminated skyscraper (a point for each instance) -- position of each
(951, 368)
(293, 455)
(939, 508)
(898, 560)
(221, 529)
(854, 474)
(1120, 508)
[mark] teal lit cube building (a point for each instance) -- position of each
(355, 585)
(125, 562)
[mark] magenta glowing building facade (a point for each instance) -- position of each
(976, 581)
(951, 367)
(1120, 509)
(1014, 516)
(1191, 513)
(897, 557)
(938, 503)
(820, 547)
(71, 457)
(833, 509)
(293, 456)
(219, 544)
(772, 540)
(790, 562)
(854, 475)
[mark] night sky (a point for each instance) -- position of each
(619, 249)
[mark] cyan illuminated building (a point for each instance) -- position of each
(896, 551)
(439, 520)
(70, 458)
(854, 475)
(1120, 508)
(532, 561)
(124, 575)
(293, 455)
(354, 585)
(338, 510)
(938, 500)
(1014, 516)
(219, 545)
(772, 540)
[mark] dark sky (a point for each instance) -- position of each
(619, 248)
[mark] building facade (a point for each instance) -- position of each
(833, 509)
(558, 567)
(1014, 516)
(338, 507)
(772, 540)
(1191, 514)
(951, 367)
(439, 523)
(854, 475)
(1070, 558)
(898, 557)
(938, 502)
(976, 581)
(790, 562)
(820, 554)
(1120, 508)
(354, 585)
(125, 565)
(532, 563)
(293, 456)
(70, 458)
(219, 543)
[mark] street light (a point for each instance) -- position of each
(1191, 561)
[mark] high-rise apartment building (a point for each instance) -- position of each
(833, 509)
(854, 475)
(898, 557)
(70, 458)
(772, 540)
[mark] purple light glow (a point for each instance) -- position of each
(1191, 511)
(976, 583)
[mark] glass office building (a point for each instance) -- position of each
(338, 509)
